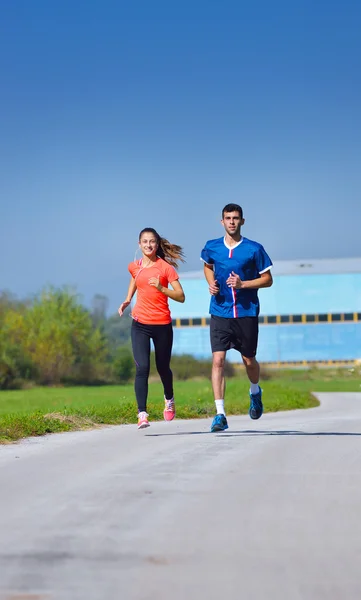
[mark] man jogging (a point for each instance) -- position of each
(235, 268)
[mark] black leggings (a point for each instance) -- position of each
(162, 336)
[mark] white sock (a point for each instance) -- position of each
(254, 388)
(220, 407)
(142, 414)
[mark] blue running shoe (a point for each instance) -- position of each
(256, 406)
(219, 423)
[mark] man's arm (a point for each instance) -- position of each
(212, 282)
(263, 281)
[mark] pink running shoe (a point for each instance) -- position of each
(143, 420)
(169, 410)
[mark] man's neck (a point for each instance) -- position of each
(232, 240)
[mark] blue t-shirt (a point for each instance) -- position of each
(247, 259)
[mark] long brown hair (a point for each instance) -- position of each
(171, 253)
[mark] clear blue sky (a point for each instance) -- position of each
(115, 116)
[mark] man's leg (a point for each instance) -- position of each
(218, 380)
(219, 386)
(219, 333)
(246, 330)
(255, 392)
(253, 370)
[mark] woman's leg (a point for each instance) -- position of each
(163, 342)
(140, 336)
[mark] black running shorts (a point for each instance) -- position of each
(240, 333)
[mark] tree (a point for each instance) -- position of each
(99, 310)
(60, 338)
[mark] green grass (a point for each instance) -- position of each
(320, 379)
(39, 411)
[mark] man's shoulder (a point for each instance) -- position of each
(251, 243)
(215, 243)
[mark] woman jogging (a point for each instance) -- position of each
(152, 320)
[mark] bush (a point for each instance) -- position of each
(123, 365)
(186, 366)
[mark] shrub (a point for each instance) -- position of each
(186, 366)
(123, 365)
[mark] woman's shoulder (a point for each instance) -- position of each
(164, 265)
(134, 265)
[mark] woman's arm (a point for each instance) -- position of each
(176, 293)
(131, 291)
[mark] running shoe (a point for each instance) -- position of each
(169, 409)
(143, 420)
(256, 406)
(219, 423)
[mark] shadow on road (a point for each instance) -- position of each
(259, 432)
(251, 432)
(180, 433)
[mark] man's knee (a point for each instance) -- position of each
(218, 361)
(249, 361)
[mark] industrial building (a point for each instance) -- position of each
(311, 314)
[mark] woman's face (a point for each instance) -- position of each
(148, 244)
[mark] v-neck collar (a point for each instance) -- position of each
(232, 247)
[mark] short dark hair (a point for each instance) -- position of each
(232, 208)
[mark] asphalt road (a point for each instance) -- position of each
(267, 510)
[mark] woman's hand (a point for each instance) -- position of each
(123, 306)
(154, 282)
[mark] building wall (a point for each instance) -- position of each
(284, 343)
(303, 318)
(290, 294)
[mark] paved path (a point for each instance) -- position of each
(267, 510)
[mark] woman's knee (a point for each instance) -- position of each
(142, 370)
(164, 371)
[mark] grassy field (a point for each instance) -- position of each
(38, 411)
(326, 379)
(43, 410)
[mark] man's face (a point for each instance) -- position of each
(232, 222)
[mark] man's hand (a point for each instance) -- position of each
(213, 288)
(122, 307)
(234, 281)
